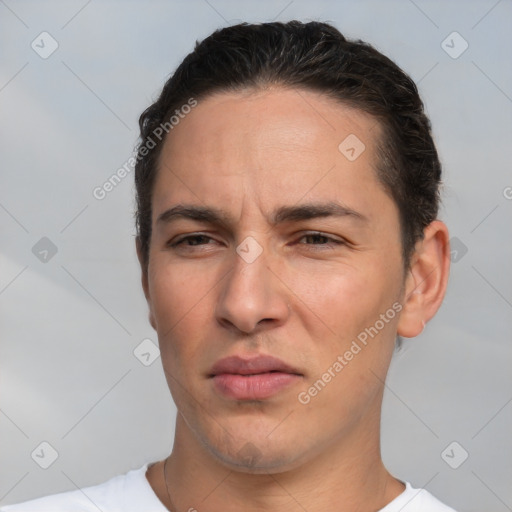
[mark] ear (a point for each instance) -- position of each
(426, 281)
(145, 280)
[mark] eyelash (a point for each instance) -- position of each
(189, 237)
(309, 234)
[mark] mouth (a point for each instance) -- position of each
(255, 378)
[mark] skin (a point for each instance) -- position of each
(304, 299)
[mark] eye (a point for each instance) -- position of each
(191, 241)
(320, 239)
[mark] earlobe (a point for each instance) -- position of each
(426, 281)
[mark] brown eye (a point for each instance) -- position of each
(320, 239)
(191, 241)
(316, 238)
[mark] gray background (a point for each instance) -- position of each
(69, 326)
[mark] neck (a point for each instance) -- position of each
(347, 476)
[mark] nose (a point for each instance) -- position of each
(252, 297)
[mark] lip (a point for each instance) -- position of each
(254, 378)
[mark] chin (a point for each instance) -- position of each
(251, 443)
(262, 464)
(257, 456)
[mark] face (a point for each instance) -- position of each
(275, 276)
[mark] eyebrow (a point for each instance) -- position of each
(281, 215)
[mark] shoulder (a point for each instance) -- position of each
(416, 500)
(124, 492)
(56, 502)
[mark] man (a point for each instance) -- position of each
(287, 192)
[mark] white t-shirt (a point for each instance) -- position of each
(132, 493)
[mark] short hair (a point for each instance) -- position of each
(313, 56)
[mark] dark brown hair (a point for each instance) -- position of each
(318, 57)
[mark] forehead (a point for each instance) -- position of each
(273, 144)
(283, 118)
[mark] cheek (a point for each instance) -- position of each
(341, 311)
(180, 308)
(349, 358)
(176, 290)
(179, 303)
(166, 287)
(343, 298)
